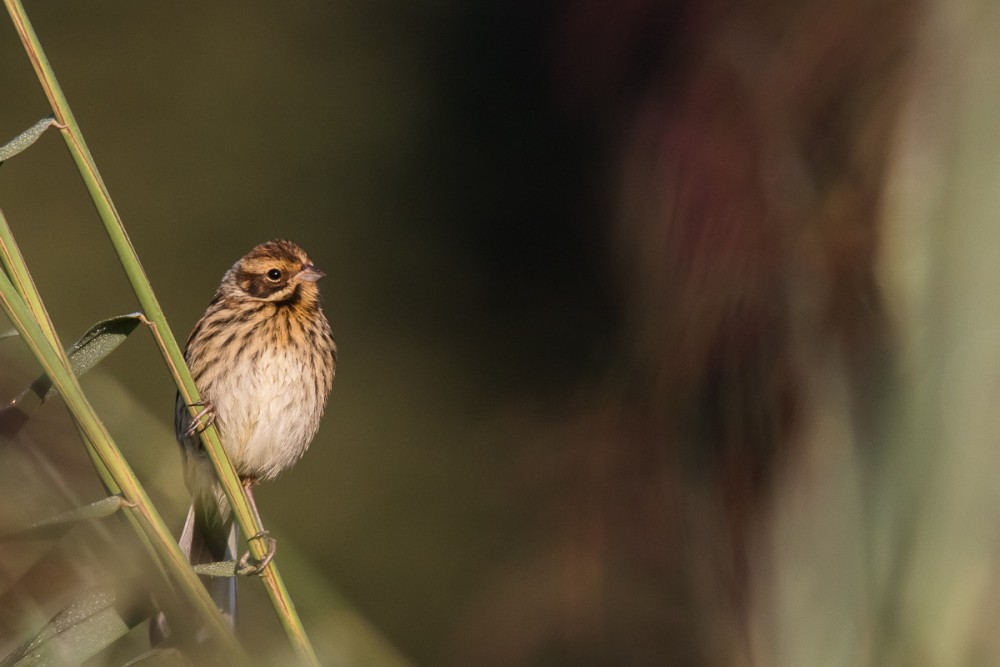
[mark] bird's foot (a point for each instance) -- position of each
(247, 568)
(201, 420)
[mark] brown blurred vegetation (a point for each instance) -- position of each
(601, 275)
(749, 144)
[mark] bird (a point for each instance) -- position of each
(263, 358)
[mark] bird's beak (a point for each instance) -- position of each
(310, 273)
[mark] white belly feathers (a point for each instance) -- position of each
(259, 410)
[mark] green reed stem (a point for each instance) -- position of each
(122, 477)
(273, 583)
(17, 270)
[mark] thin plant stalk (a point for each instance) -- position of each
(273, 583)
(17, 270)
(66, 383)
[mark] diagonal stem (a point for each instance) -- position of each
(273, 583)
(110, 457)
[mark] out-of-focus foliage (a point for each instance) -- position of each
(666, 328)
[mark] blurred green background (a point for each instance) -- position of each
(415, 151)
(665, 327)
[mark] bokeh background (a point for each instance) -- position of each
(667, 328)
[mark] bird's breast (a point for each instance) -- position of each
(268, 408)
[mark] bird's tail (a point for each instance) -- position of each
(206, 538)
(209, 538)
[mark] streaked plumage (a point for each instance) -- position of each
(263, 358)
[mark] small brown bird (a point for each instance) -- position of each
(263, 358)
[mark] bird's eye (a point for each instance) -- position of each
(274, 275)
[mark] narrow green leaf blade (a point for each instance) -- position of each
(88, 351)
(99, 341)
(22, 141)
(79, 631)
(222, 568)
(61, 523)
